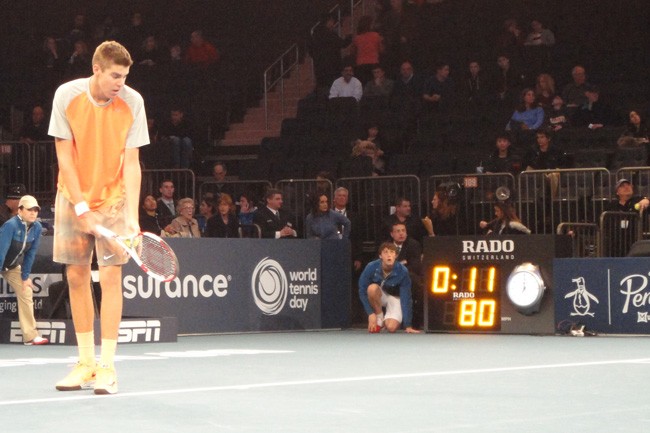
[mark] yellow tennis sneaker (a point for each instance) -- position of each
(106, 380)
(81, 377)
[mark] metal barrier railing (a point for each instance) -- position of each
(275, 74)
(618, 231)
(255, 189)
(33, 165)
(370, 200)
(184, 182)
(584, 238)
(476, 196)
(298, 196)
(547, 198)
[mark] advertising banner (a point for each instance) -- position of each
(608, 295)
(226, 286)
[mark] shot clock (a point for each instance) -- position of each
(484, 284)
(468, 297)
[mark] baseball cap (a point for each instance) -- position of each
(621, 182)
(28, 202)
(15, 191)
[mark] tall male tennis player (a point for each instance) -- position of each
(98, 124)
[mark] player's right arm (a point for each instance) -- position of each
(70, 177)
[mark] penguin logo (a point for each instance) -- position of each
(581, 299)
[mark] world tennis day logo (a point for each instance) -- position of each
(271, 287)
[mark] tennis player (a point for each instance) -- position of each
(98, 124)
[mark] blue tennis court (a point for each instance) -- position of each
(341, 381)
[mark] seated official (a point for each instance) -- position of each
(275, 222)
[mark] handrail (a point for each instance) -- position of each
(284, 70)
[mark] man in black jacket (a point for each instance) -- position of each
(274, 222)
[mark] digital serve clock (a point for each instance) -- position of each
(499, 284)
(466, 297)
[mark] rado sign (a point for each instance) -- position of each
(488, 246)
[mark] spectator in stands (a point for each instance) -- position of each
(275, 222)
(505, 222)
(406, 100)
(36, 128)
(367, 45)
(511, 39)
(403, 214)
(13, 194)
(528, 115)
(148, 218)
(106, 30)
(79, 63)
(539, 36)
(444, 217)
(79, 30)
(347, 85)
(166, 206)
(502, 160)
(557, 116)
(207, 209)
(133, 36)
(390, 28)
(371, 150)
(409, 253)
(184, 225)
(146, 68)
(179, 133)
(223, 224)
(201, 53)
(508, 80)
(324, 223)
(174, 73)
(545, 90)
(325, 48)
(340, 205)
(438, 92)
(385, 283)
(380, 85)
(636, 133)
(247, 209)
(52, 66)
(573, 93)
(595, 113)
(544, 155)
(475, 86)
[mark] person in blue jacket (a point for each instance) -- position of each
(386, 283)
(19, 240)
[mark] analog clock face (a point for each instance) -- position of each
(524, 288)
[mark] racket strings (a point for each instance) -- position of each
(157, 257)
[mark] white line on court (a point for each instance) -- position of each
(67, 398)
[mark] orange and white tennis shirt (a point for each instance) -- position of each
(100, 133)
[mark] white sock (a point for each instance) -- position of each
(380, 319)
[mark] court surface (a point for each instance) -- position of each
(341, 381)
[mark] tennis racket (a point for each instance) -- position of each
(154, 256)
